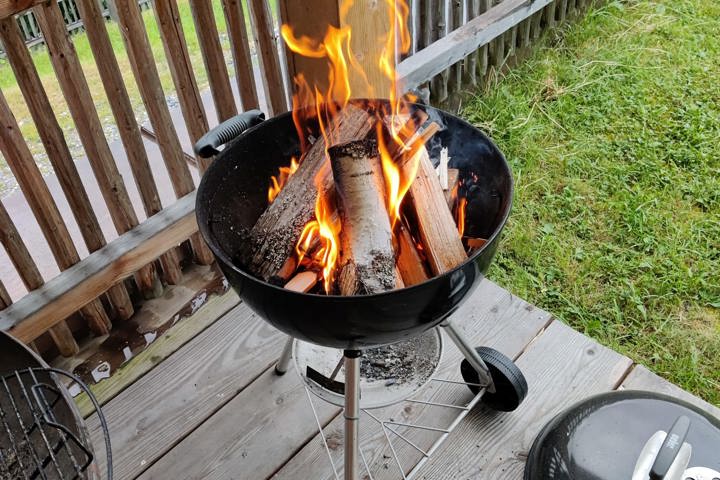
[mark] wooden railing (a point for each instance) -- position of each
(106, 286)
(456, 44)
(32, 34)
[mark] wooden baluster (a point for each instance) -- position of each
(58, 152)
(176, 52)
(471, 71)
(426, 24)
(240, 45)
(269, 57)
(551, 13)
(563, 10)
(5, 300)
(536, 27)
(87, 123)
(30, 275)
(212, 54)
(484, 62)
(455, 21)
(146, 75)
(127, 125)
(21, 163)
(525, 33)
(440, 82)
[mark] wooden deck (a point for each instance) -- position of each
(209, 405)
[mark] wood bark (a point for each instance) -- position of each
(273, 238)
(367, 259)
(436, 225)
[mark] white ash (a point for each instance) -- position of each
(400, 362)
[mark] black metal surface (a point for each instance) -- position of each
(601, 438)
(233, 194)
(41, 433)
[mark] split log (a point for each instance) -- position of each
(273, 238)
(409, 262)
(367, 260)
(302, 282)
(436, 225)
(453, 175)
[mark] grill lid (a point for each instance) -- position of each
(603, 437)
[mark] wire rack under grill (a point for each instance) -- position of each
(39, 435)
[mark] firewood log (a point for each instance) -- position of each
(438, 231)
(273, 238)
(409, 262)
(367, 259)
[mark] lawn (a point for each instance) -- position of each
(612, 128)
(14, 97)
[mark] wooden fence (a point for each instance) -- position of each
(30, 29)
(456, 43)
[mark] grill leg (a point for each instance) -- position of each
(470, 354)
(352, 413)
(281, 367)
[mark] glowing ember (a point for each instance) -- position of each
(277, 183)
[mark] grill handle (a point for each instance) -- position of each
(228, 130)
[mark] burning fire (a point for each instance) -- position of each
(277, 183)
(318, 247)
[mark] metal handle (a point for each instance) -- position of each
(670, 448)
(98, 411)
(228, 130)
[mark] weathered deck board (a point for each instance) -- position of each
(215, 409)
(562, 366)
(250, 437)
(173, 399)
(643, 379)
(491, 317)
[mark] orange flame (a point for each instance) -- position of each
(277, 183)
(462, 205)
(319, 241)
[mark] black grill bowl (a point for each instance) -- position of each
(233, 195)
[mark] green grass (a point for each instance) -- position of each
(44, 67)
(612, 128)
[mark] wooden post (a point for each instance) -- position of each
(127, 124)
(240, 46)
(87, 123)
(266, 47)
(21, 163)
(58, 152)
(178, 58)
(146, 75)
(212, 54)
(30, 275)
(455, 21)
(369, 22)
